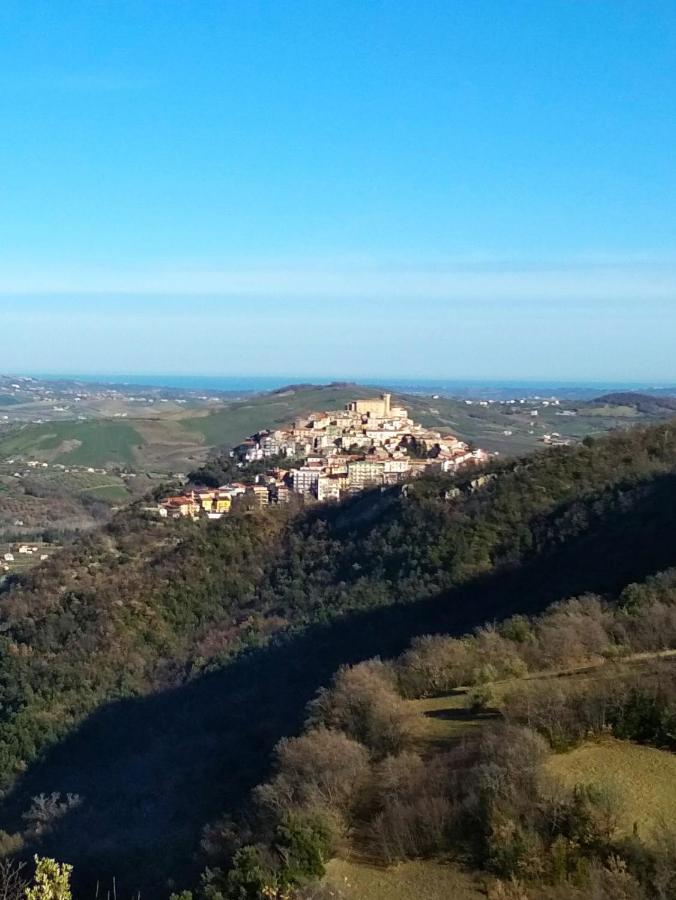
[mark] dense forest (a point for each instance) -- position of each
(147, 672)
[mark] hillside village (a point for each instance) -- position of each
(336, 453)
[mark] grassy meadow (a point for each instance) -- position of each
(643, 778)
(416, 880)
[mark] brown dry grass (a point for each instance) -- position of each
(415, 880)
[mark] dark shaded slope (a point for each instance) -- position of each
(153, 770)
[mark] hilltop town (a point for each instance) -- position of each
(327, 455)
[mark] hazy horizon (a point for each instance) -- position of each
(211, 381)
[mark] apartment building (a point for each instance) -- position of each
(304, 479)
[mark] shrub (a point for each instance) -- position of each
(438, 664)
(51, 880)
(250, 878)
(46, 809)
(413, 812)
(507, 890)
(435, 664)
(10, 844)
(613, 881)
(513, 849)
(587, 817)
(12, 882)
(363, 702)
(572, 632)
(480, 698)
(517, 629)
(646, 717)
(303, 846)
(663, 875)
(321, 770)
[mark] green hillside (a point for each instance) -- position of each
(408, 881)
(151, 668)
(237, 421)
(95, 443)
(537, 753)
(507, 430)
(173, 438)
(643, 779)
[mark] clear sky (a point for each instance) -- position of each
(364, 187)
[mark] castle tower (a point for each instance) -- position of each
(386, 405)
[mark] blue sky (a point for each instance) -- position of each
(440, 189)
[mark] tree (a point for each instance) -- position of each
(320, 770)
(364, 703)
(12, 883)
(51, 880)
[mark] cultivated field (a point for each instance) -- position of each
(172, 437)
(96, 443)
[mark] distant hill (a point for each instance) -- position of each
(649, 404)
(174, 434)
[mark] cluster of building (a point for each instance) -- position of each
(216, 502)
(20, 553)
(370, 442)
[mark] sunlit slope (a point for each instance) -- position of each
(170, 438)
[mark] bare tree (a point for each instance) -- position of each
(12, 882)
(364, 703)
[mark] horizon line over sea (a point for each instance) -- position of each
(449, 386)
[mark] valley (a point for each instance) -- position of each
(72, 453)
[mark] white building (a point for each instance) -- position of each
(304, 479)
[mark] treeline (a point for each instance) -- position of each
(384, 548)
(223, 469)
(572, 633)
(141, 605)
(356, 780)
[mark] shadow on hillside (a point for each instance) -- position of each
(152, 771)
(462, 714)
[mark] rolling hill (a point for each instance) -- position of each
(167, 437)
(97, 443)
(150, 668)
